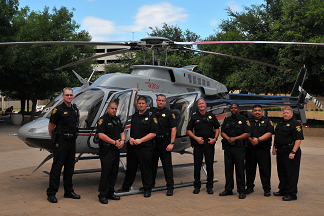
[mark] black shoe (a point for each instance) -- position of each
(141, 189)
(147, 194)
(103, 200)
(267, 193)
(279, 193)
(242, 196)
(289, 198)
(226, 192)
(72, 195)
(52, 199)
(210, 191)
(249, 190)
(169, 192)
(196, 191)
(122, 190)
(113, 197)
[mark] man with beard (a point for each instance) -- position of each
(258, 151)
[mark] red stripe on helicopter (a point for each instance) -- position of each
(221, 117)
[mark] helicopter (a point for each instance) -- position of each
(182, 87)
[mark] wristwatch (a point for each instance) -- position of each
(216, 138)
(293, 152)
(171, 142)
(259, 140)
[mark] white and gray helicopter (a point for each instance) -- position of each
(182, 87)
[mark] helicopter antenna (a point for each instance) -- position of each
(92, 73)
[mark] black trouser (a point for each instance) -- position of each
(209, 151)
(109, 172)
(288, 171)
(262, 157)
(166, 160)
(139, 155)
(64, 155)
(234, 156)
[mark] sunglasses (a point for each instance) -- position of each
(69, 95)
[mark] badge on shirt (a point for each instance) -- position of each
(57, 145)
(209, 117)
(54, 111)
(146, 118)
(155, 120)
(100, 121)
(298, 128)
(174, 116)
(163, 115)
(198, 120)
(248, 123)
(109, 123)
(271, 123)
(65, 113)
(287, 125)
(262, 122)
(240, 122)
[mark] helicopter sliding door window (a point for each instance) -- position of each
(183, 106)
(88, 103)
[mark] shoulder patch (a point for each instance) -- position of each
(271, 123)
(54, 111)
(173, 116)
(155, 120)
(248, 123)
(298, 128)
(100, 121)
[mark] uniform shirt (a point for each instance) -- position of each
(204, 125)
(259, 128)
(288, 132)
(234, 127)
(166, 120)
(65, 118)
(143, 124)
(111, 126)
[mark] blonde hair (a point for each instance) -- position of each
(288, 108)
(67, 88)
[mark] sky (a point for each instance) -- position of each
(123, 20)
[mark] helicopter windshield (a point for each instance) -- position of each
(88, 103)
(49, 106)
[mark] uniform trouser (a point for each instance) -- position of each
(209, 151)
(139, 155)
(288, 171)
(234, 156)
(166, 160)
(109, 172)
(64, 155)
(262, 157)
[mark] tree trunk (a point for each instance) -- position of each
(34, 101)
(27, 106)
(22, 106)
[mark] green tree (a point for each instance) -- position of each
(32, 75)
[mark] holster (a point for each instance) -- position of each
(54, 137)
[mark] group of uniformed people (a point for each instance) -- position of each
(246, 143)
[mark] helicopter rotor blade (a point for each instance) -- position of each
(244, 59)
(87, 43)
(97, 56)
(247, 42)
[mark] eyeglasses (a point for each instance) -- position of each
(69, 95)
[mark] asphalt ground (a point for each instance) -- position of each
(24, 193)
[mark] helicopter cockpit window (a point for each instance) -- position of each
(49, 105)
(88, 103)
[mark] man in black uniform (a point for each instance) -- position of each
(140, 148)
(235, 130)
(288, 136)
(258, 151)
(164, 142)
(112, 138)
(206, 128)
(63, 128)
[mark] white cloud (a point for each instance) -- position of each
(147, 16)
(234, 6)
(213, 22)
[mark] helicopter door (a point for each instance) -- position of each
(183, 106)
(124, 100)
